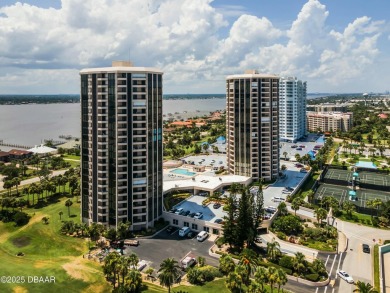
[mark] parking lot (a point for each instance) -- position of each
(301, 147)
(163, 245)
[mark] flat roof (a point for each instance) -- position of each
(121, 69)
(251, 75)
(205, 182)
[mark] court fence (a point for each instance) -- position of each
(342, 182)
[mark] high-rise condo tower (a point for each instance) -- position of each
(252, 125)
(292, 108)
(121, 145)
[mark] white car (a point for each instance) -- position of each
(198, 216)
(343, 275)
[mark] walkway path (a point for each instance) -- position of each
(386, 268)
(35, 179)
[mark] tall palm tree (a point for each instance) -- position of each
(133, 281)
(285, 155)
(320, 214)
(349, 208)
(362, 287)
(295, 204)
(60, 214)
(281, 278)
(169, 272)
(272, 277)
(233, 281)
(110, 267)
(261, 276)
(133, 260)
(226, 264)
(299, 262)
(273, 249)
(68, 204)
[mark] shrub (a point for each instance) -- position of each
(375, 221)
(281, 235)
(209, 273)
(312, 277)
(194, 276)
(21, 218)
(220, 241)
(288, 224)
(286, 262)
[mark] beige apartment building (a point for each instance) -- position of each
(121, 145)
(330, 121)
(252, 125)
(328, 107)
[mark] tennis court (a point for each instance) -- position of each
(374, 178)
(339, 174)
(341, 194)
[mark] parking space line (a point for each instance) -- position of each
(326, 262)
(331, 268)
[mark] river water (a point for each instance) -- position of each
(32, 123)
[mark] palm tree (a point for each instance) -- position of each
(133, 281)
(281, 278)
(319, 266)
(273, 249)
(226, 264)
(320, 214)
(110, 267)
(233, 281)
(299, 262)
(295, 204)
(362, 287)
(282, 209)
(310, 195)
(68, 204)
(285, 155)
(169, 272)
(33, 189)
(349, 208)
(272, 277)
(261, 277)
(60, 214)
(133, 260)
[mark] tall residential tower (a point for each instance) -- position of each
(292, 109)
(121, 145)
(252, 125)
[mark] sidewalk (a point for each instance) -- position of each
(291, 248)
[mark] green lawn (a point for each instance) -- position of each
(48, 253)
(210, 287)
(376, 267)
(71, 157)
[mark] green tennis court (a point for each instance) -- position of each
(341, 194)
(339, 174)
(374, 178)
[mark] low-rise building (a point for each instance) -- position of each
(332, 121)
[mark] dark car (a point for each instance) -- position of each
(192, 215)
(217, 205)
(289, 188)
(366, 248)
(186, 213)
(173, 210)
(298, 165)
(218, 221)
(298, 149)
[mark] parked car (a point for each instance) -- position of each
(303, 170)
(284, 191)
(298, 149)
(343, 275)
(188, 262)
(172, 210)
(272, 208)
(179, 211)
(217, 205)
(302, 146)
(366, 248)
(278, 199)
(186, 213)
(298, 165)
(289, 188)
(198, 216)
(218, 221)
(184, 231)
(192, 215)
(202, 236)
(293, 146)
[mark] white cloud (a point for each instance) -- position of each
(183, 37)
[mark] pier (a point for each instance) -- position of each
(14, 145)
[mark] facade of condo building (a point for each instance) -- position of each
(252, 125)
(327, 107)
(121, 146)
(330, 121)
(292, 108)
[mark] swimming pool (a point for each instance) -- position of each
(183, 172)
(321, 139)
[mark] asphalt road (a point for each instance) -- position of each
(163, 245)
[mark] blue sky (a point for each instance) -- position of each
(336, 46)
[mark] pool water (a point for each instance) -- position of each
(182, 172)
(321, 140)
